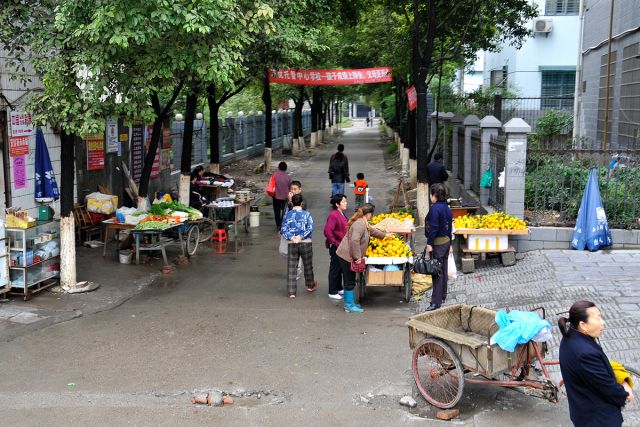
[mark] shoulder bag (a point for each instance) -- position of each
(424, 265)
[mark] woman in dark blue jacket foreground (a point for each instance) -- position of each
(595, 398)
(438, 232)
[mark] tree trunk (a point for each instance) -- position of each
(187, 145)
(298, 134)
(161, 115)
(315, 107)
(214, 130)
(268, 121)
(67, 223)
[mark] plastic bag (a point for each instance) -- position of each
(271, 186)
(517, 327)
(452, 272)
(487, 178)
(101, 203)
(283, 248)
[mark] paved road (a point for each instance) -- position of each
(225, 322)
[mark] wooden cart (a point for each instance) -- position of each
(480, 242)
(400, 278)
(456, 340)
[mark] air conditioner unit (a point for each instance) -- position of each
(542, 25)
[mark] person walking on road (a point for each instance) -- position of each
(334, 230)
(283, 181)
(438, 232)
(338, 171)
(595, 396)
(297, 227)
(352, 248)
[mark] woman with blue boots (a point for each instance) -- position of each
(353, 247)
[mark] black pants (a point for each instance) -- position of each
(335, 271)
(441, 252)
(348, 275)
(278, 210)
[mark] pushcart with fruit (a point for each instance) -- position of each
(487, 234)
(389, 260)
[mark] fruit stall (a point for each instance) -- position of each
(487, 234)
(389, 260)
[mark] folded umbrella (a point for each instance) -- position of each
(46, 188)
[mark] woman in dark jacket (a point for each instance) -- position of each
(334, 231)
(595, 398)
(438, 233)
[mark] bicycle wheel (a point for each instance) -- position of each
(193, 238)
(438, 373)
(634, 405)
(207, 227)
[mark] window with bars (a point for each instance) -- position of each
(602, 95)
(499, 77)
(557, 89)
(562, 7)
(629, 119)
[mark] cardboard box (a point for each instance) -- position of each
(393, 277)
(487, 242)
(375, 277)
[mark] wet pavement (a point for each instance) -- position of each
(224, 322)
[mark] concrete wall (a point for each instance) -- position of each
(560, 238)
(596, 30)
(556, 50)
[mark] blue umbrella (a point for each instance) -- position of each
(592, 230)
(46, 188)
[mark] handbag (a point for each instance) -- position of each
(424, 265)
(355, 267)
(271, 186)
(283, 247)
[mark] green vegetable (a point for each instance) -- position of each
(152, 225)
(157, 209)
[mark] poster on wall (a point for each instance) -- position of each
(113, 145)
(21, 124)
(18, 146)
(95, 152)
(137, 151)
(19, 172)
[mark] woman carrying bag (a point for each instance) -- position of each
(352, 249)
(438, 232)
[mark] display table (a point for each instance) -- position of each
(109, 225)
(155, 241)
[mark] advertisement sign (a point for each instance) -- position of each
(95, 152)
(294, 76)
(19, 172)
(21, 124)
(18, 146)
(137, 152)
(412, 97)
(113, 144)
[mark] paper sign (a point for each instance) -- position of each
(18, 146)
(299, 76)
(112, 136)
(412, 97)
(21, 124)
(19, 172)
(137, 152)
(95, 152)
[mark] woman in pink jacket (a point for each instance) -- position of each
(334, 231)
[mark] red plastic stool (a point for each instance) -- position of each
(220, 235)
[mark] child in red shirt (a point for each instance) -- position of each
(360, 190)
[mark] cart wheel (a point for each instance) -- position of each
(193, 238)
(362, 287)
(407, 283)
(634, 405)
(438, 373)
(207, 227)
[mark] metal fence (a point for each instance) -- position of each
(240, 137)
(476, 167)
(556, 179)
(532, 109)
(498, 149)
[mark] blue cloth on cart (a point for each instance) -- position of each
(517, 327)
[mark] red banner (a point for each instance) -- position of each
(95, 152)
(18, 146)
(412, 97)
(291, 76)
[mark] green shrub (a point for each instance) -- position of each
(391, 148)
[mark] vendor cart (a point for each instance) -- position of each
(477, 243)
(455, 341)
(231, 215)
(400, 278)
(186, 234)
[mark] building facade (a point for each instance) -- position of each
(623, 88)
(545, 65)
